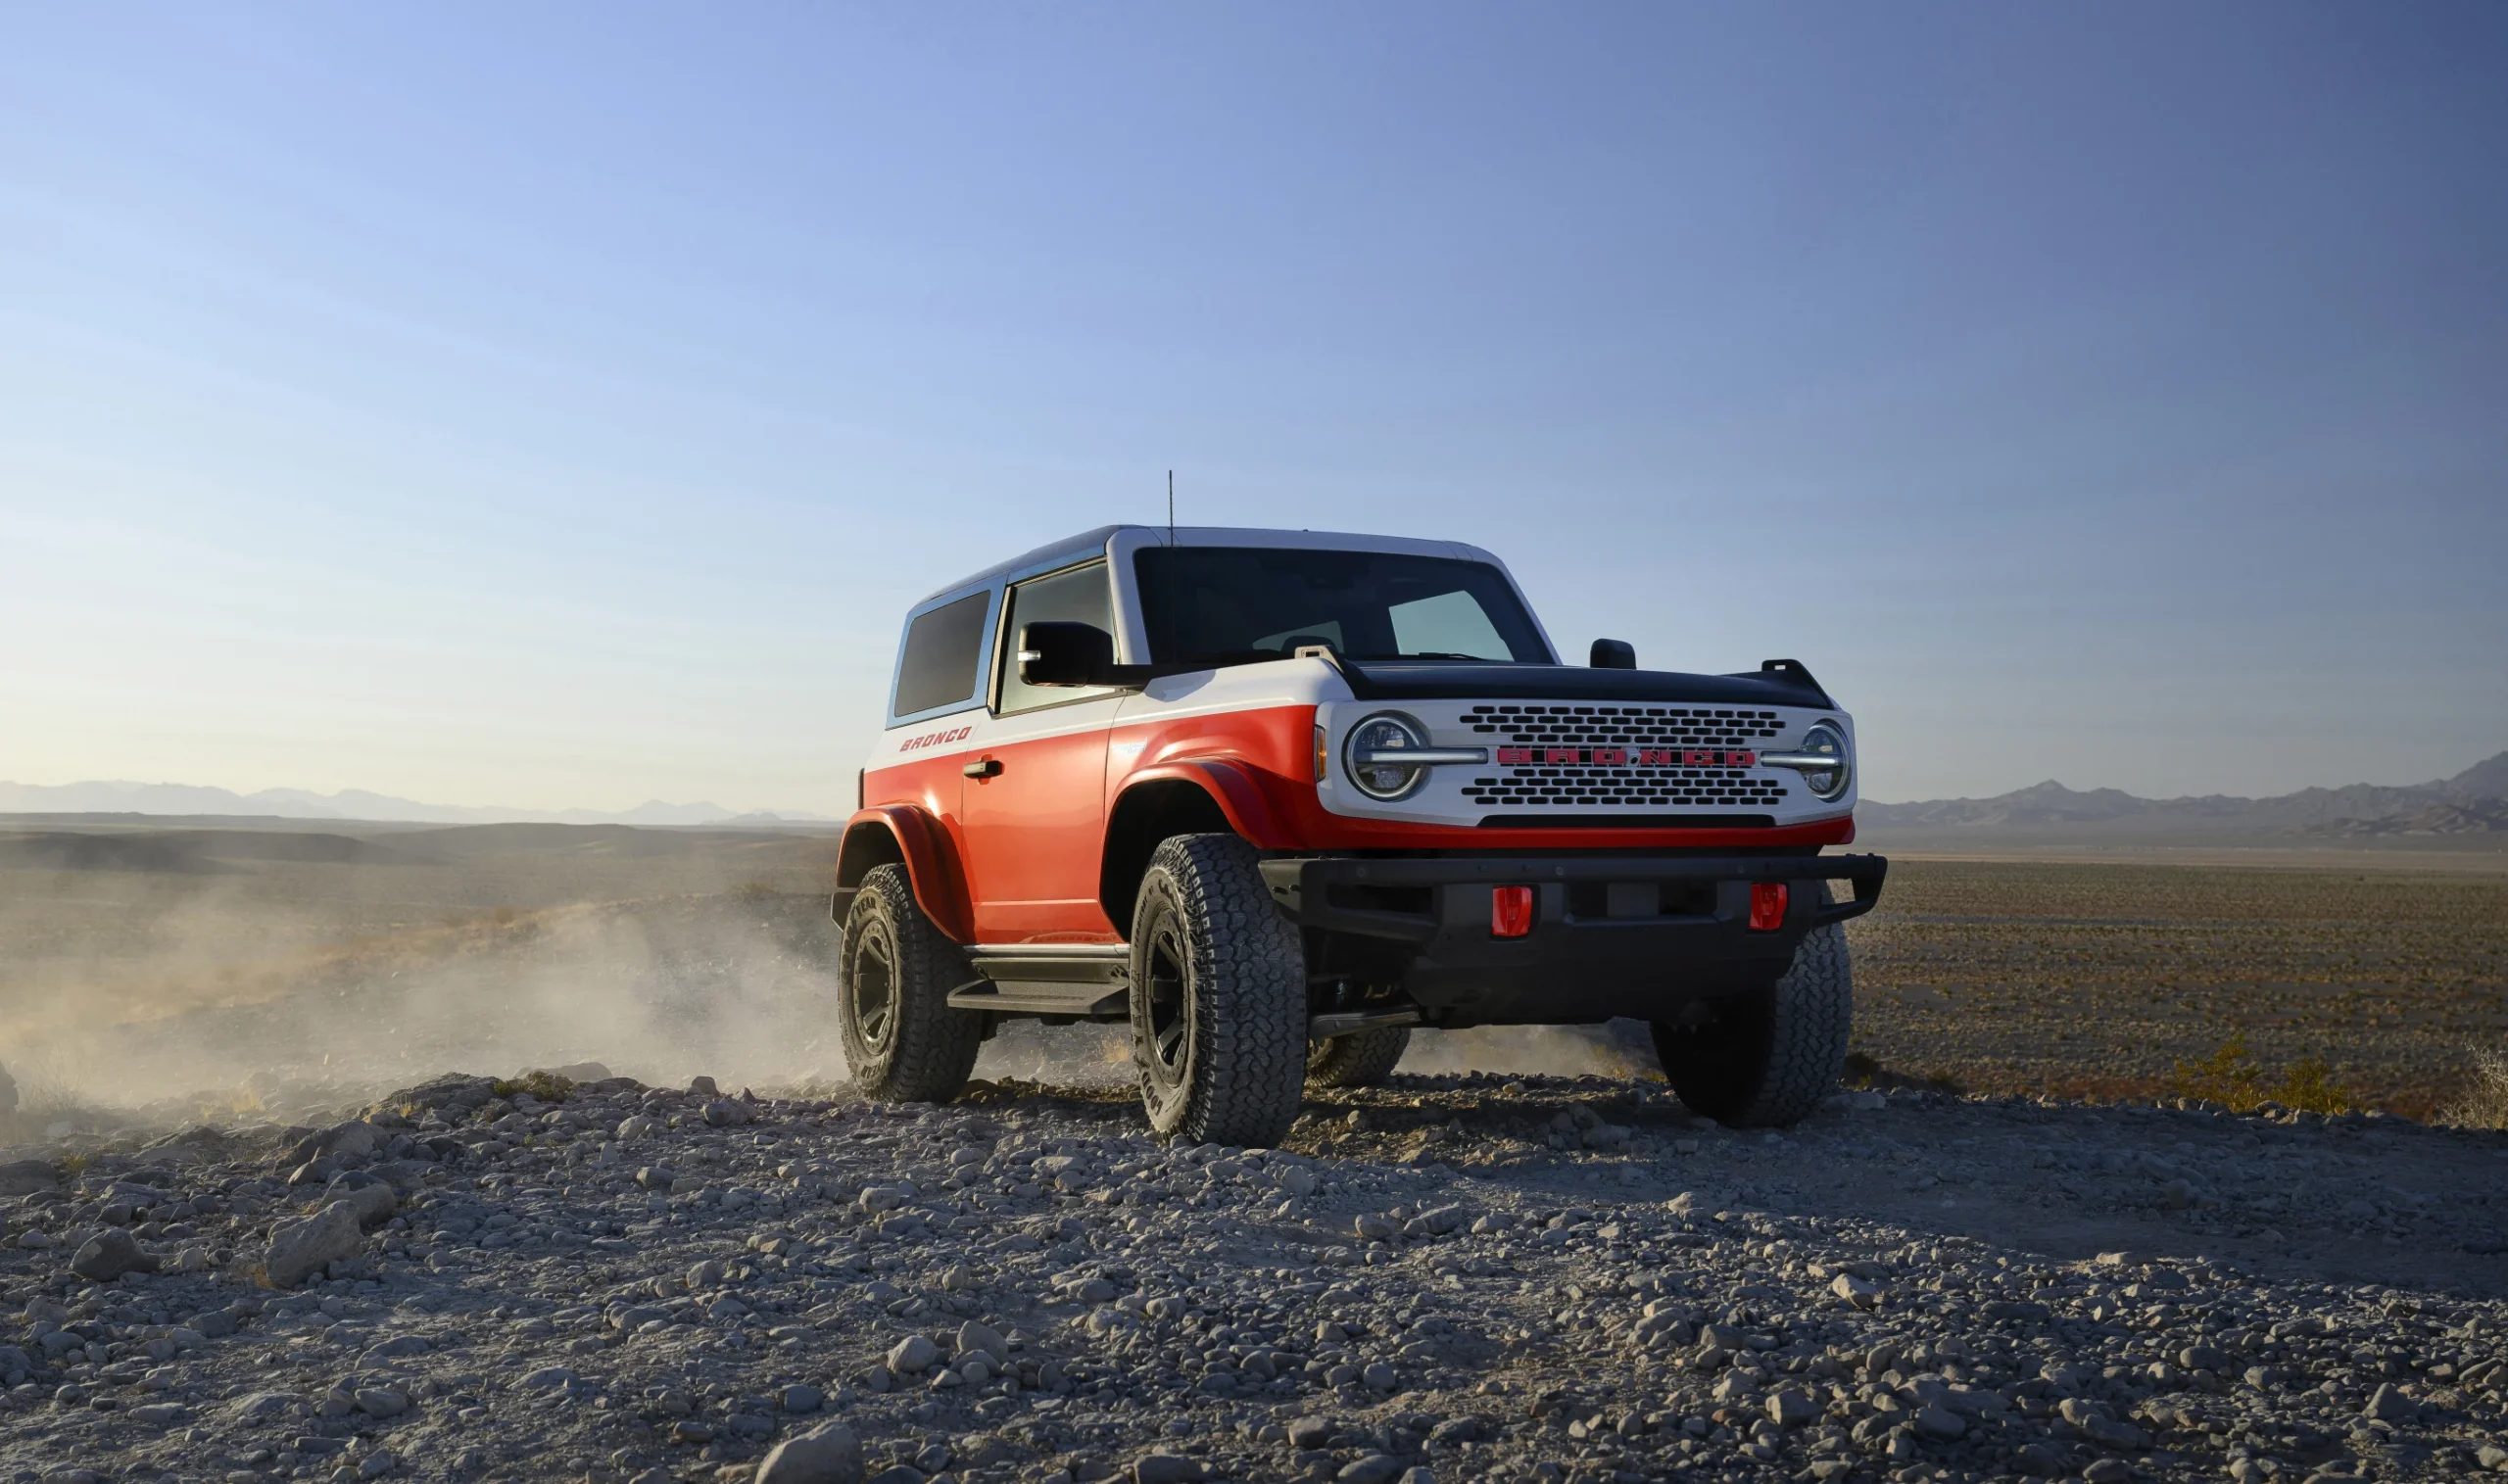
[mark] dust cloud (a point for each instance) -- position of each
(202, 1004)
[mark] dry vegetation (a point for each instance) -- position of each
(2485, 1103)
(2303, 987)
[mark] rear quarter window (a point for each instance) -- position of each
(944, 659)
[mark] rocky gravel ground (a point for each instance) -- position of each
(1451, 1277)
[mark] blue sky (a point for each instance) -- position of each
(558, 405)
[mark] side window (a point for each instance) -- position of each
(943, 660)
(1078, 595)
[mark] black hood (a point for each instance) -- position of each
(1777, 683)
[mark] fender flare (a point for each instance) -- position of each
(1231, 796)
(905, 834)
(1230, 784)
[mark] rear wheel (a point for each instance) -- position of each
(1362, 1060)
(1217, 996)
(900, 1037)
(1774, 1053)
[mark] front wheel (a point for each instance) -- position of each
(1775, 1052)
(893, 1015)
(1217, 996)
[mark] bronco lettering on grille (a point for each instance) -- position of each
(1623, 757)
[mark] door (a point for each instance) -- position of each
(1034, 804)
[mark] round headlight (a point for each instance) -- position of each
(1363, 756)
(1827, 784)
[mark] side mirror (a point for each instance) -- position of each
(1613, 654)
(1059, 653)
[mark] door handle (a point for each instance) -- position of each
(988, 767)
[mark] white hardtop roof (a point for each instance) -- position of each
(1118, 540)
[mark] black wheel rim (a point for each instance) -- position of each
(874, 989)
(1169, 1017)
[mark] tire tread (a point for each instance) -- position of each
(1360, 1060)
(935, 1045)
(1250, 1046)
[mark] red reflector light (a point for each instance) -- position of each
(1768, 906)
(1511, 912)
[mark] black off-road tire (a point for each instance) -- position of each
(1774, 1053)
(1362, 1060)
(893, 1015)
(1217, 996)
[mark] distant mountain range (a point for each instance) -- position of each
(2472, 802)
(116, 798)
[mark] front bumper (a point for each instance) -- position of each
(1612, 936)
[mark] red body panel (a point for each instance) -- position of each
(1034, 833)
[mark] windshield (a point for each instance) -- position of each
(1233, 605)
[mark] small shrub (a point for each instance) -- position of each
(2231, 1077)
(2483, 1105)
(2310, 1086)
(1860, 1068)
(547, 1086)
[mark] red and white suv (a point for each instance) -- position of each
(1276, 796)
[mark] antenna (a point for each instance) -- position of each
(1171, 508)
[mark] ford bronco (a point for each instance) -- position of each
(1274, 798)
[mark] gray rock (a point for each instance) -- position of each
(110, 1254)
(1165, 1468)
(27, 1176)
(1857, 1291)
(2388, 1404)
(725, 1112)
(828, 1454)
(703, 1086)
(800, 1399)
(1374, 1468)
(376, 1402)
(373, 1200)
(1310, 1431)
(913, 1356)
(1791, 1408)
(2206, 1358)
(1380, 1376)
(354, 1140)
(261, 1405)
(975, 1335)
(1940, 1422)
(2106, 1432)
(300, 1249)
